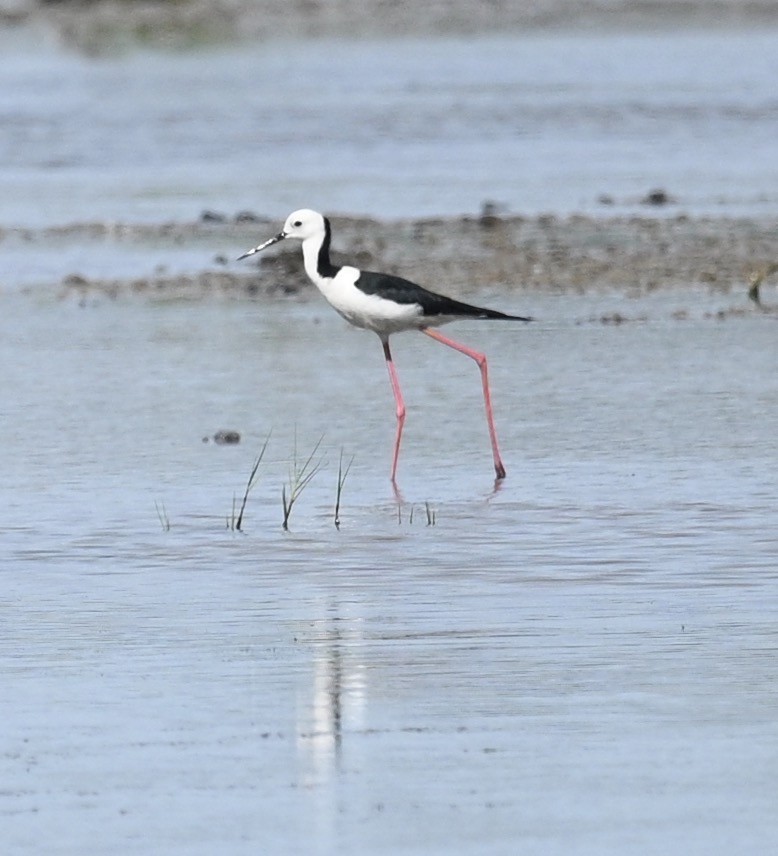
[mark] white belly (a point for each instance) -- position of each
(368, 311)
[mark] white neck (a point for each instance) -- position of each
(311, 247)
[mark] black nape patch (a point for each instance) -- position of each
(324, 266)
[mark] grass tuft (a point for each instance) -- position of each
(300, 475)
(235, 523)
(756, 281)
(430, 512)
(342, 476)
(164, 520)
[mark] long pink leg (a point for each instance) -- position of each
(481, 360)
(398, 397)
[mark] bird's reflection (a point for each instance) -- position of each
(334, 702)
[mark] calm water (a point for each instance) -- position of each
(580, 662)
(544, 123)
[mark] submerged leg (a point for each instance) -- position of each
(398, 397)
(481, 360)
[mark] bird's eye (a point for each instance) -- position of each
(297, 223)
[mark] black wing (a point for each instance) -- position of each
(405, 292)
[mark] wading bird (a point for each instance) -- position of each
(385, 304)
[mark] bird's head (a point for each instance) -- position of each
(300, 224)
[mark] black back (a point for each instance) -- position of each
(405, 292)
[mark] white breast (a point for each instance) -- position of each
(368, 311)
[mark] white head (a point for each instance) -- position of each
(301, 224)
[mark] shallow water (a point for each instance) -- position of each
(393, 127)
(581, 661)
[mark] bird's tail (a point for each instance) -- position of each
(497, 315)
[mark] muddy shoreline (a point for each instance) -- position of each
(95, 26)
(459, 256)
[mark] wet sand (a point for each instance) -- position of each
(459, 256)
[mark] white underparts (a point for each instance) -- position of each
(368, 311)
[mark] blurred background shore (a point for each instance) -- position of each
(498, 145)
(97, 25)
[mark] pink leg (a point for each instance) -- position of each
(481, 360)
(398, 397)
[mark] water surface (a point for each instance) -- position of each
(582, 661)
(578, 661)
(393, 127)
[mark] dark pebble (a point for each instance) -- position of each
(75, 280)
(212, 217)
(490, 213)
(657, 197)
(246, 217)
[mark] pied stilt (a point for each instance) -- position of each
(385, 304)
